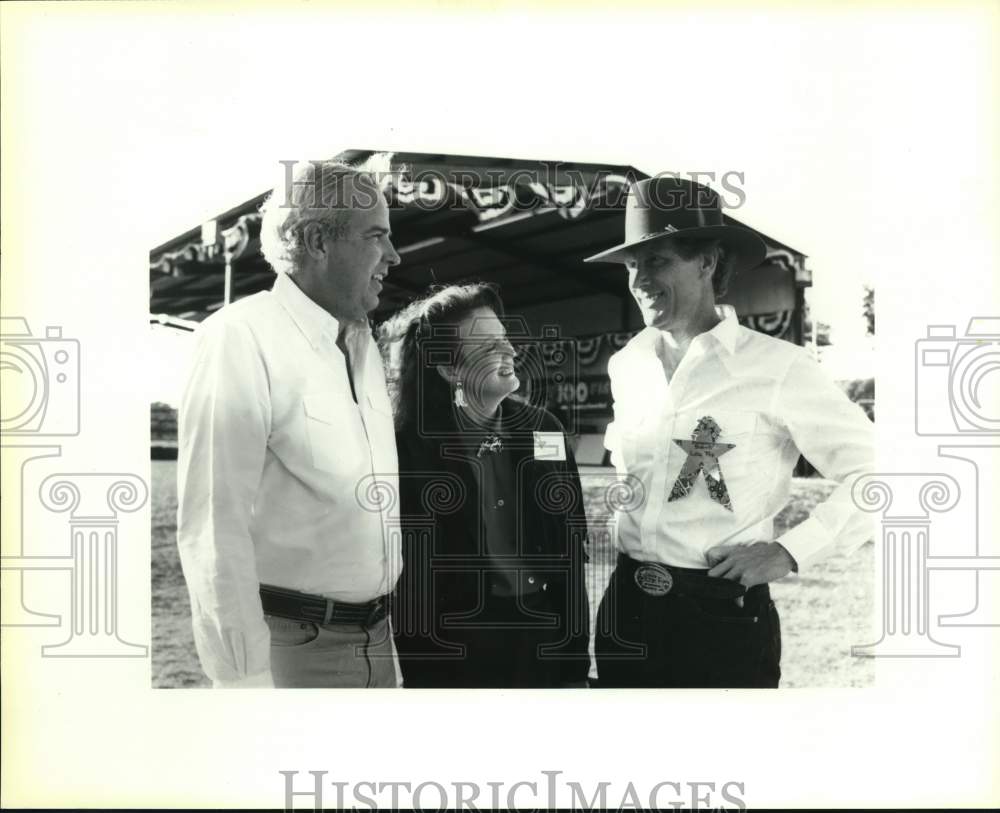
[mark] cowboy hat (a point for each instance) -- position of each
(659, 209)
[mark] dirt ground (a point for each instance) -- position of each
(824, 611)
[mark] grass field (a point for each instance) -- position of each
(823, 611)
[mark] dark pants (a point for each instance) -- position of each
(685, 641)
(502, 646)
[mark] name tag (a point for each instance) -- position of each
(550, 446)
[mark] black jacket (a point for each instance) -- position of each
(444, 560)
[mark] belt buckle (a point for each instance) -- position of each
(653, 579)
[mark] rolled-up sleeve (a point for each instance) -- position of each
(836, 437)
(223, 429)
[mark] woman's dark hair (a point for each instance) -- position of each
(413, 343)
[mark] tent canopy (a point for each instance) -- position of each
(525, 225)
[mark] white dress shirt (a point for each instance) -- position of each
(771, 401)
(275, 465)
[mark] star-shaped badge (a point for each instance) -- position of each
(703, 453)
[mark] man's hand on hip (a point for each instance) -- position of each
(759, 563)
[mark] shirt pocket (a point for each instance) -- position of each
(636, 427)
(334, 431)
(735, 449)
(378, 402)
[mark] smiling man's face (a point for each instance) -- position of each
(358, 261)
(671, 292)
(348, 260)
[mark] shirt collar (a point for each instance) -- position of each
(312, 320)
(726, 332)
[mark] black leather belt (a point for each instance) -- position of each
(655, 579)
(307, 607)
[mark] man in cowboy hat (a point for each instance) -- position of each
(710, 419)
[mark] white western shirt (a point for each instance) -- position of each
(275, 471)
(770, 400)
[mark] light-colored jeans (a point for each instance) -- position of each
(305, 655)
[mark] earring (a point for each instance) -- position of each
(459, 395)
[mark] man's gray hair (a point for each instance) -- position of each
(321, 192)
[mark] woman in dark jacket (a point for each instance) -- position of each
(494, 534)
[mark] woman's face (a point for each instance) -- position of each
(485, 363)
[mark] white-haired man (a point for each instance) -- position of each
(710, 418)
(284, 416)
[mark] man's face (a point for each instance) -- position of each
(351, 278)
(670, 291)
